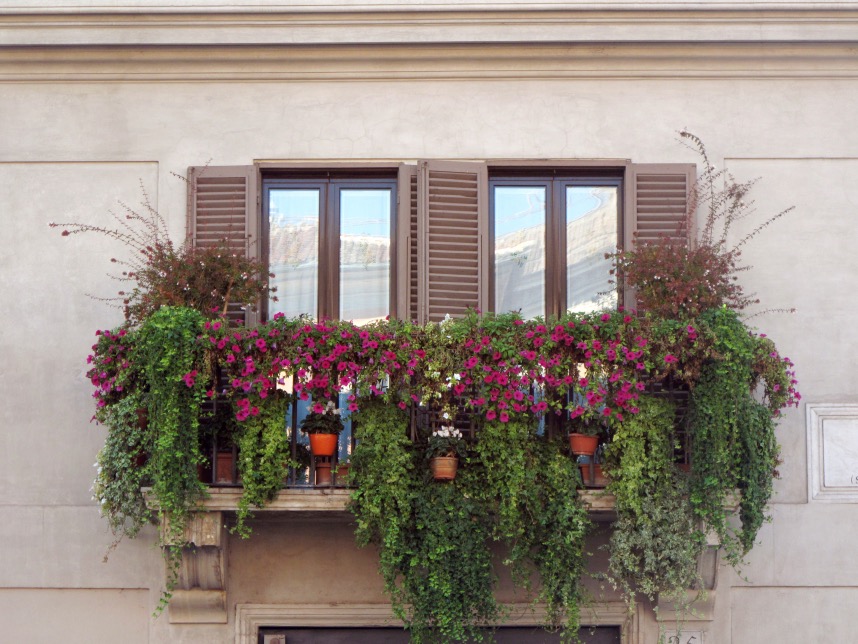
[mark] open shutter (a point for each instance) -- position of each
(406, 244)
(222, 208)
(452, 239)
(657, 202)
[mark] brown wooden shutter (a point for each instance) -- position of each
(222, 207)
(452, 238)
(657, 202)
(656, 207)
(406, 244)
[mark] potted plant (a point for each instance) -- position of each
(584, 437)
(323, 425)
(445, 446)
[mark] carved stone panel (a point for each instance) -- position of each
(832, 452)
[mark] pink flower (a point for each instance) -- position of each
(670, 358)
(491, 414)
(504, 417)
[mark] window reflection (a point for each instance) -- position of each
(293, 240)
(591, 231)
(519, 220)
(364, 254)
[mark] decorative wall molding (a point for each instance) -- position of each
(521, 61)
(392, 22)
(832, 452)
(250, 617)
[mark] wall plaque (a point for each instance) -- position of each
(832, 452)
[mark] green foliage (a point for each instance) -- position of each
(263, 456)
(655, 543)
(120, 475)
(383, 466)
(434, 538)
(171, 357)
(733, 439)
(448, 579)
(558, 525)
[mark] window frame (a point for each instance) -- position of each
(330, 183)
(555, 180)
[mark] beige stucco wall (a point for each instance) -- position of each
(72, 148)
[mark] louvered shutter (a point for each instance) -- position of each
(657, 202)
(223, 209)
(406, 244)
(452, 239)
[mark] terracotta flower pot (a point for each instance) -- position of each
(599, 479)
(582, 444)
(323, 444)
(323, 474)
(224, 466)
(444, 467)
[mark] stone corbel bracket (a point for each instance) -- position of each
(200, 595)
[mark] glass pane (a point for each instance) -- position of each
(591, 231)
(519, 216)
(364, 254)
(293, 247)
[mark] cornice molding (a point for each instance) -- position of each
(432, 24)
(430, 62)
(34, 7)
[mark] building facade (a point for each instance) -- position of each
(103, 101)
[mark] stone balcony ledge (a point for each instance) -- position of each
(322, 499)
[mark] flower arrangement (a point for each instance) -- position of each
(323, 419)
(446, 441)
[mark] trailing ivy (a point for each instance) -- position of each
(558, 525)
(263, 451)
(122, 469)
(171, 359)
(508, 475)
(383, 465)
(655, 543)
(448, 577)
(733, 441)
(432, 539)
(528, 483)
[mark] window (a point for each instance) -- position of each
(441, 258)
(550, 233)
(328, 241)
